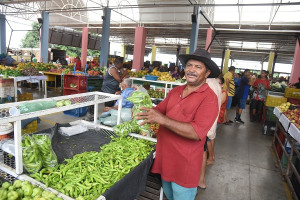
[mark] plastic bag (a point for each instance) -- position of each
(125, 114)
(43, 141)
(109, 121)
(72, 130)
(31, 156)
(141, 98)
(27, 107)
(122, 130)
(8, 145)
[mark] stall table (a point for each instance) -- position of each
(30, 79)
(51, 76)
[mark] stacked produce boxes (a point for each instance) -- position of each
(7, 91)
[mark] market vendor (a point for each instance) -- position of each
(185, 116)
(114, 76)
(125, 93)
(7, 60)
(78, 64)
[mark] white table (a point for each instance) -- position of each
(30, 79)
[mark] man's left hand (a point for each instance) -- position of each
(149, 115)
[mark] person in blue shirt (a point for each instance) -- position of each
(126, 91)
(242, 95)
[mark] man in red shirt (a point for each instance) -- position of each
(185, 117)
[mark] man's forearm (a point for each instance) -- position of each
(180, 128)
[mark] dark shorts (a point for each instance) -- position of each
(242, 103)
(256, 104)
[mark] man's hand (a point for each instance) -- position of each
(118, 92)
(150, 116)
(107, 109)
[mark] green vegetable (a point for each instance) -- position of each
(57, 198)
(60, 103)
(36, 192)
(43, 142)
(3, 194)
(31, 157)
(141, 99)
(11, 188)
(20, 193)
(90, 174)
(68, 102)
(17, 184)
(122, 130)
(27, 188)
(12, 195)
(6, 185)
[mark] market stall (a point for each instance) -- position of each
(127, 186)
(286, 145)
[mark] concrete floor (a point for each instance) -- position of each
(244, 167)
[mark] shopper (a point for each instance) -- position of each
(224, 100)
(242, 95)
(175, 74)
(230, 87)
(78, 63)
(208, 155)
(126, 87)
(261, 85)
(114, 75)
(184, 127)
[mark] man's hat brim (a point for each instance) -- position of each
(211, 65)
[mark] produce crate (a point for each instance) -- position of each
(6, 82)
(270, 114)
(292, 93)
(72, 91)
(7, 91)
(7, 100)
(273, 101)
(77, 112)
(30, 128)
(79, 81)
(25, 97)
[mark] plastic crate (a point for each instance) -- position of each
(77, 112)
(30, 128)
(273, 101)
(270, 114)
(25, 97)
(79, 81)
(72, 91)
(292, 93)
(6, 82)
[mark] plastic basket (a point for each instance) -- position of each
(150, 77)
(292, 93)
(273, 101)
(25, 97)
(30, 128)
(79, 81)
(71, 91)
(77, 112)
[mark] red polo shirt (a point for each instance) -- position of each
(179, 159)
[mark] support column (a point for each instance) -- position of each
(123, 52)
(84, 45)
(295, 73)
(2, 34)
(187, 50)
(226, 60)
(177, 54)
(270, 62)
(223, 56)
(105, 37)
(44, 38)
(208, 38)
(153, 56)
(195, 28)
(139, 48)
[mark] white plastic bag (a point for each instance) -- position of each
(72, 130)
